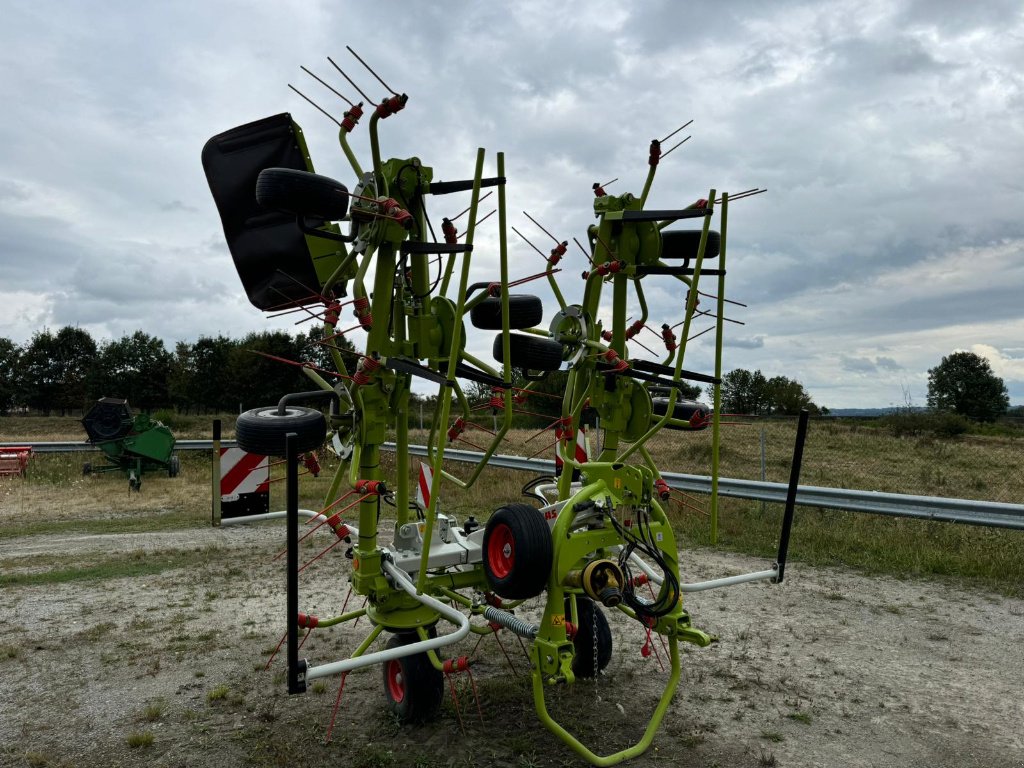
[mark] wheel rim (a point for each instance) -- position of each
(396, 681)
(501, 551)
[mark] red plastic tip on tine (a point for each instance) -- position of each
(456, 429)
(391, 105)
(350, 119)
(598, 190)
(655, 153)
(370, 487)
(451, 235)
(308, 621)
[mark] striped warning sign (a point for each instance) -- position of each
(580, 455)
(244, 483)
(423, 486)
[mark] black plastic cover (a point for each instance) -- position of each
(109, 419)
(268, 248)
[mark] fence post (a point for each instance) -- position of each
(215, 506)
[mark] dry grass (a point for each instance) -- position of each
(57, 498)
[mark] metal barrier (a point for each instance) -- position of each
(971, 512)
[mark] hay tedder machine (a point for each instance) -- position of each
(131, 443)
(597, 537)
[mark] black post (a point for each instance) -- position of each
(296, 676)
(215, 463)
(794, 482)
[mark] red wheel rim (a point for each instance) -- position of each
(396, 681)
(501, 551)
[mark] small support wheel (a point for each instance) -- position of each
(262, 430)
(592, 623)
(301, 193)
(694, 413)
(174, 466)
(517, 551)
(533, 353)
(524, 311)
(87, 468)
(412, 687)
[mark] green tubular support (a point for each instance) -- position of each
(716, 430)
(335, 620)
(453, 355)
(352, 161)
(617, 757)
(419, 329)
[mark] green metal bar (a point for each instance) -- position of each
(453, 359)
(506, 423)
(691, 304)
(402, 455)
(647, 184)
(343, 140)
(378, 173)
(483, 365)
(342, 618)
(554, 286)
(383, 295)
(370, 638)
(716, 436)
(617, 757)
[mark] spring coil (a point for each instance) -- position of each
(510, 621)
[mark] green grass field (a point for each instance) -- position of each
(56, 498)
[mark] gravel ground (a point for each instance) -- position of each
(166, 669)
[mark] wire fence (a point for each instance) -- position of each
(867, 456)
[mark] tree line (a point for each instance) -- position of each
(67, 370)
(753, 394)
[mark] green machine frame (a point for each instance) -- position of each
(599, 537)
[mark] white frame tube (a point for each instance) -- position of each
(389, 654)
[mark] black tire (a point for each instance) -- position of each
(174, 466)
(517, 551)
(412, 687)
(524, 311)
(697, 415)
(302, 193)
(684, 243)
(87, 468)
(533, 353)
(262, 431)
(591, 620)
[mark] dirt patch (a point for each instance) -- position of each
(830, 668)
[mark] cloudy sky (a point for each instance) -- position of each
(890, 136)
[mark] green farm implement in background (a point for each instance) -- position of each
(131, 443)
(595, 535)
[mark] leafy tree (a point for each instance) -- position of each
(201, 374)
(136, 368)
(257, 380)
(55, 367)
(753, 394)
(744, 392)
(788, 397)
(10, 374)
(314, 349)
(965, 384)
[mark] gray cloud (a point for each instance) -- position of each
(888, 136)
